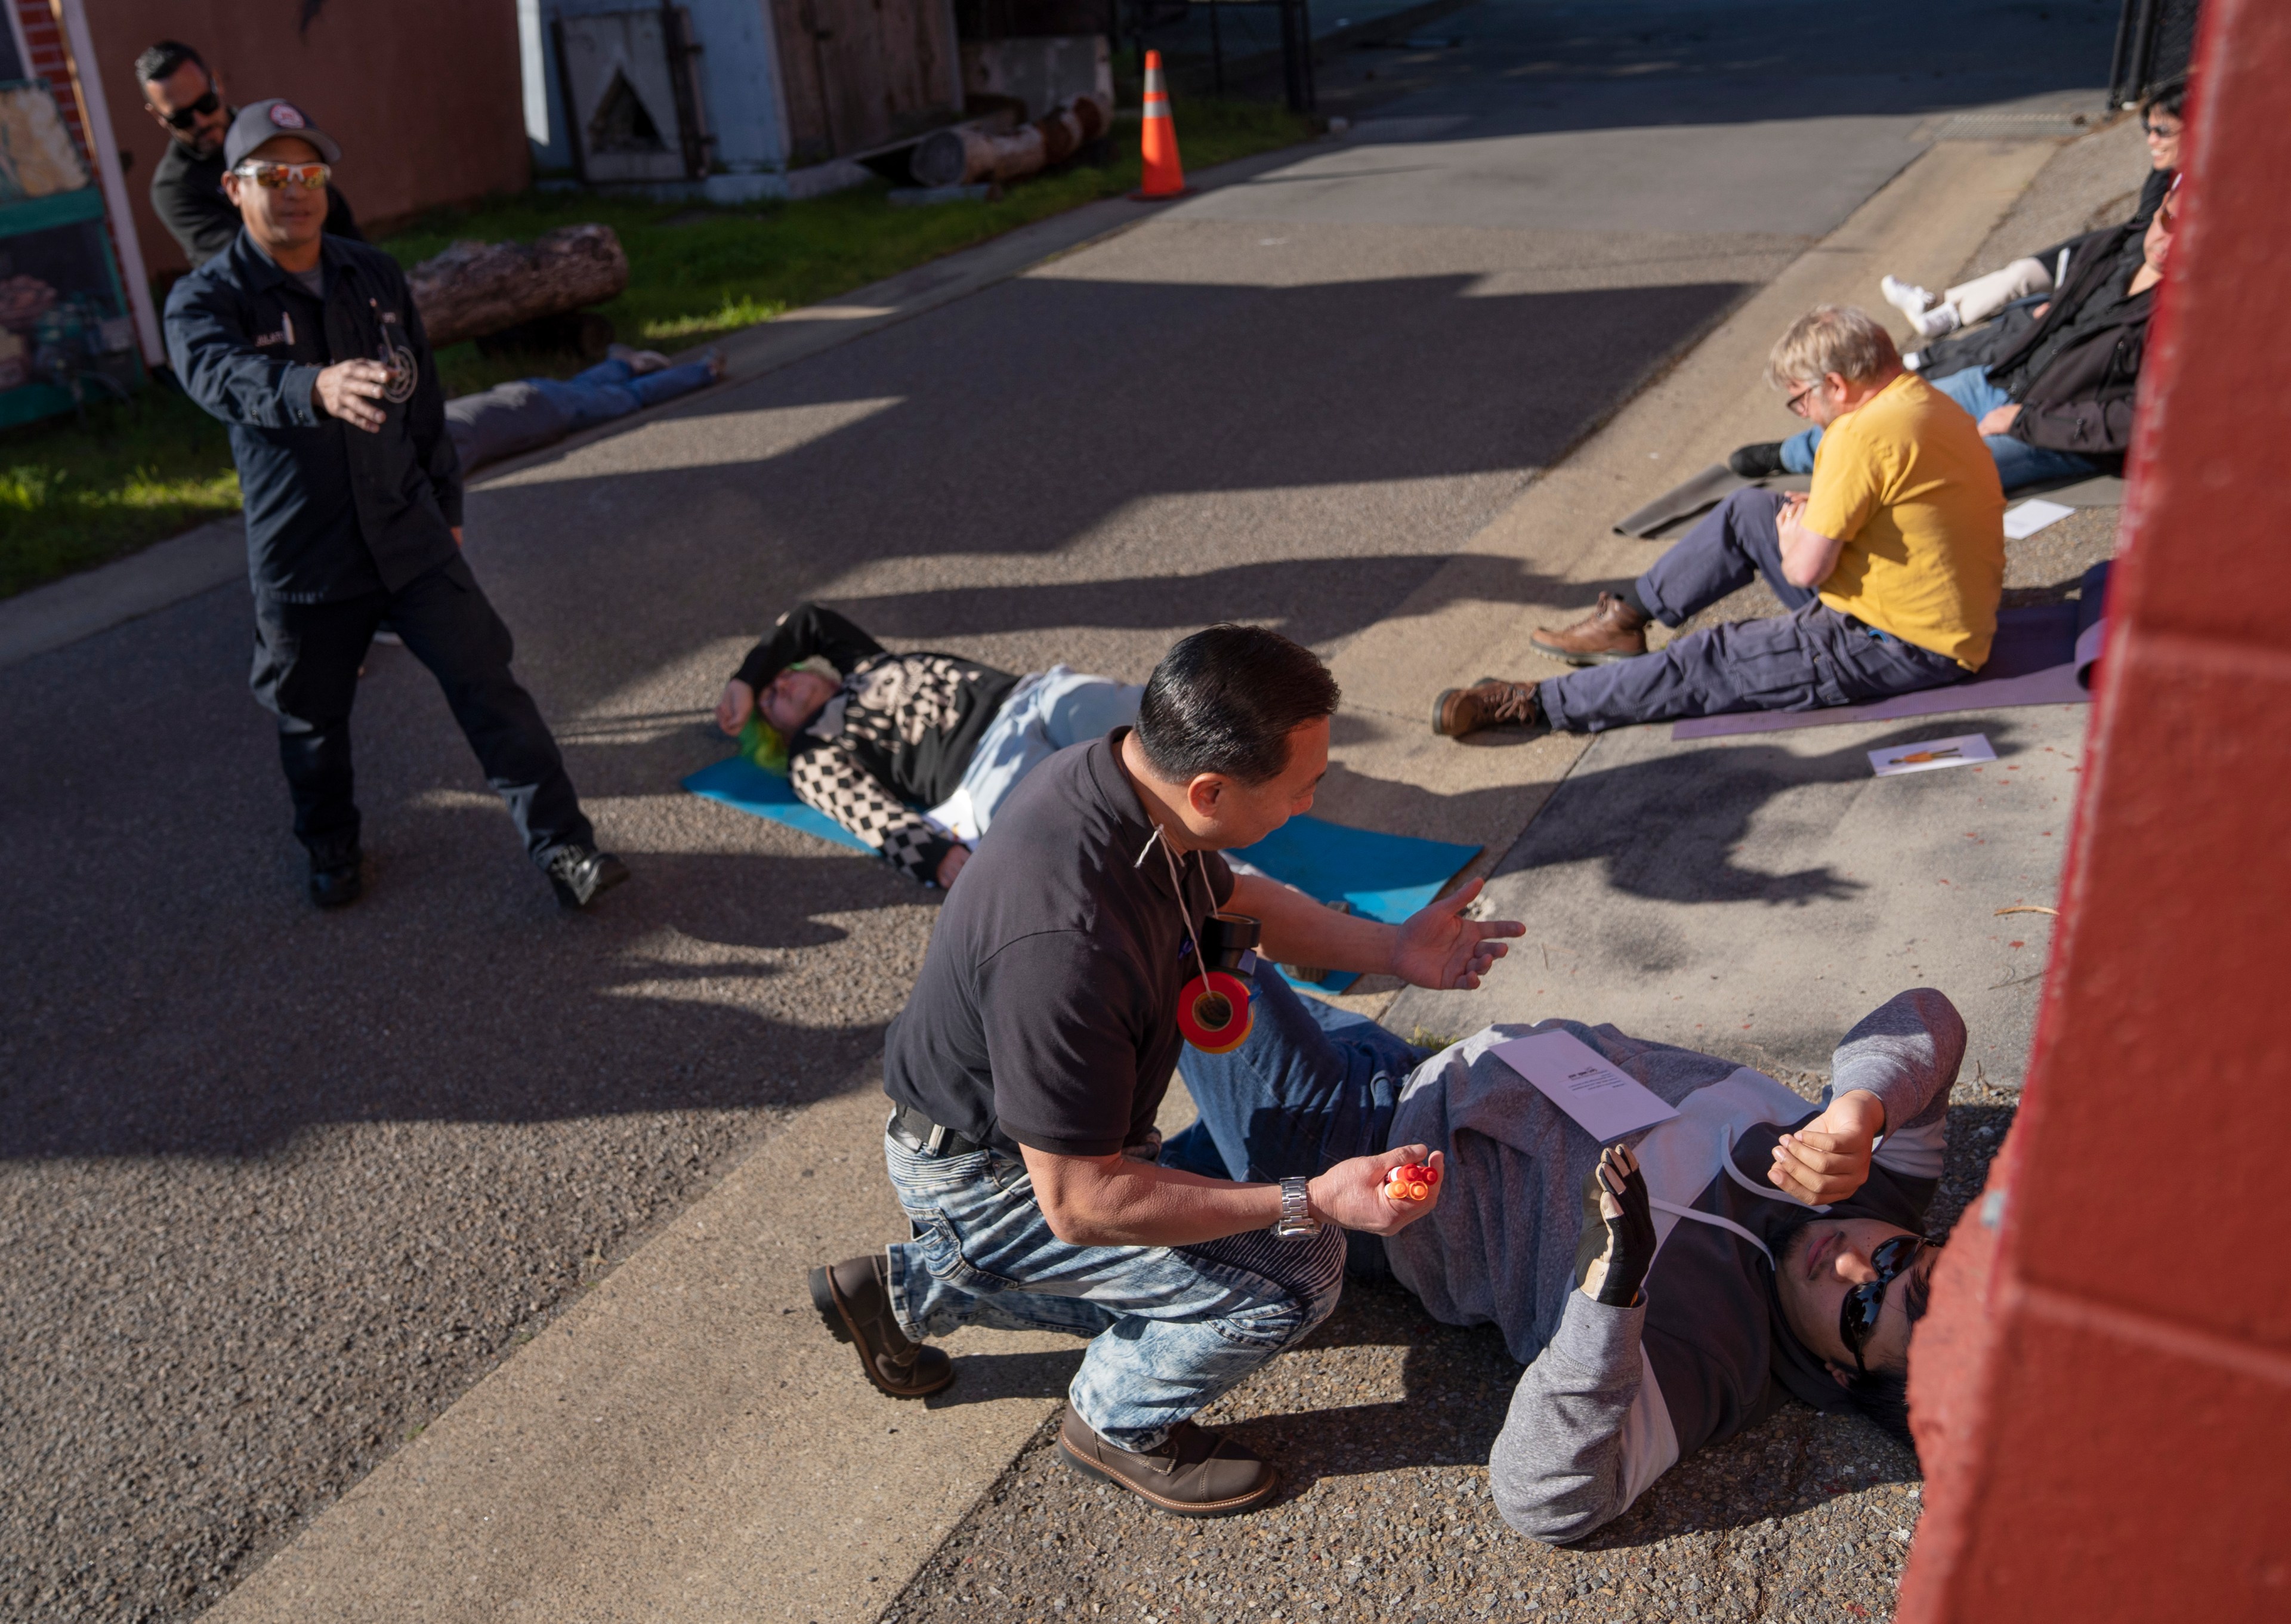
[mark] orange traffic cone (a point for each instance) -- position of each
(1165, 176)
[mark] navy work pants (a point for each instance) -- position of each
(1810, 659)
(306, 672)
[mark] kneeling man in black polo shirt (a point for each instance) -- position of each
(1028, 1066)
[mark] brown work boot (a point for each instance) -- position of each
(1488, 703)
(1615, 630)
(1195, 1473)
(852, 1297)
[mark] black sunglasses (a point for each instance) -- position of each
(1857, 1315)
(183, 117)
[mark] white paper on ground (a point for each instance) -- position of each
(1606, 1102)
(2031, 515)
(1927, 754)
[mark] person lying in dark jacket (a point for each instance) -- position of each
(2054, 387)
(1755, 1248)
(914, 753)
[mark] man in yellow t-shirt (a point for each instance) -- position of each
(1891, 569)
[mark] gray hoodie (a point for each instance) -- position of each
(1613, 1397)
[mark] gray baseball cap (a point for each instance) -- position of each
(266, 120)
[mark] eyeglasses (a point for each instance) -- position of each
(276, 177)
(1797, 401)
(2160, 133)
(184, 117)
(1857, 1315)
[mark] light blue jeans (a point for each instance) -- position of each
(613, 388)
(1171, 1327)
(1057, 708)
(2018, 463)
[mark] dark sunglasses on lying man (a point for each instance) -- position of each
(1857, 1315)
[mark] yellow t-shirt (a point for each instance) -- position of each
(1905, 482)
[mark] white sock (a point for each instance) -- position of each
(1907, 297)
(1915, 360)
(1942, 319)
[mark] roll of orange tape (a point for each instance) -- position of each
(1213, 1012)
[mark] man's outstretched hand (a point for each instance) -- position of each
(1827, 1159)
(348, 389)
(1351, 1194)
(1438, 947)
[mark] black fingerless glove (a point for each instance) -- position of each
(1618, 1241)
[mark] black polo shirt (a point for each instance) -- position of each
(1047, 1011)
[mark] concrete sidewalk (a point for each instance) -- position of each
(686, 1443)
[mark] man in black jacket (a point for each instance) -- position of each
(309, 348)
(2052, 388)
(187, 195)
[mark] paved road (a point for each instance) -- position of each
(277, 1187)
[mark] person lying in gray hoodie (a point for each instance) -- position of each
(1665, 1294)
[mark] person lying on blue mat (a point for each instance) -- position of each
(1752, 1249)
(913, 753)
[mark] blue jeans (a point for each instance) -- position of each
(1171, 1327)
(1052, 709)
(2018, 463)
(1808, 659)
(612, 389)
(1311, 1086)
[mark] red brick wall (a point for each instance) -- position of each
(2102, 1391)
(44, 38)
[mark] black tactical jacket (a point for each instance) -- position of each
(332, 511)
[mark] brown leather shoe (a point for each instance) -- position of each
(1615, 630)
(852, 1298)
(1488, 703)
(1195, 1473)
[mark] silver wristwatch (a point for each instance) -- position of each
(1296, 1219)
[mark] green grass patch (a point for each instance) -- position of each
(71, 497)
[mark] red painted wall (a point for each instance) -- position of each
(2102, 1391)
(424, 95)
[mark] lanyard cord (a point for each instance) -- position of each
(1185, 914)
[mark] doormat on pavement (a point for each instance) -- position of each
(2042, 656)
(1382, 877)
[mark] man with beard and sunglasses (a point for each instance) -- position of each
(187, 99)
(1664, 1294)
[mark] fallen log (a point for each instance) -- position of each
(474, 289)
(970, 153)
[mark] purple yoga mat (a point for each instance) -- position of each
(2032, 661)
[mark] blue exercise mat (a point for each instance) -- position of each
(738, 782)
(1385, 877)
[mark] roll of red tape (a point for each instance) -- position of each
(1213, 1012)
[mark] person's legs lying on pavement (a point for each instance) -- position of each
(1058, 707)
